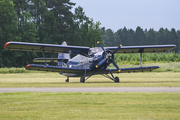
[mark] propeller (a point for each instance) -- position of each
(108, 57)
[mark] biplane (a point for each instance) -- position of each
(88, 61)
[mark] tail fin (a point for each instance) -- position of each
(63, 56)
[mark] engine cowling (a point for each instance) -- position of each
(108, 57)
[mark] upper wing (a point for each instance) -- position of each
(144, 49)
(136, 69)
(50, 48)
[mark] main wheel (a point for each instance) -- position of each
(116, 79)
(67, 80)
(82, 79)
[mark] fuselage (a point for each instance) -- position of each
(87, 62)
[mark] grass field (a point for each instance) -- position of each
(86, 106)
(80, 106)
(151, 79)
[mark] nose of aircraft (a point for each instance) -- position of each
(109, 56)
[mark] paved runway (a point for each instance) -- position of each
(94, 89)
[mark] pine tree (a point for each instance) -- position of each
(139, 36)
(8, 31)
(151, 37)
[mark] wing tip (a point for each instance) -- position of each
(6, 44)
(27, 66)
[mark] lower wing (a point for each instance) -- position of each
(54, 69)
(136, 69)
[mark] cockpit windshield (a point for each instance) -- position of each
(79, 58)
(95, 50)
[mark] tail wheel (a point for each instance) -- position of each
(116, 79)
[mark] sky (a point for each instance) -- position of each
(117, 14)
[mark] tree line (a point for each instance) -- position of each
(130, 37)
(52, 22)
(43, 21)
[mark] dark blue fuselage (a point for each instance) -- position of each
(87, 62)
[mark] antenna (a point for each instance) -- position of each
(95, 43)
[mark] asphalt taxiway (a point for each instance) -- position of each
(94, 89)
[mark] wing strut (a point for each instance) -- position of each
(44, 56)
(141, 51)
(140, 60)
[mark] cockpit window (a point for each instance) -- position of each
(78, 58)
(94, 50)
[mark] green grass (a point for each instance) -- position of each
(80, 106)
(16, 70)
(164, 67)
(147, 57)
(151, 79)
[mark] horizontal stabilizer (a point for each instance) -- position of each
(54, 69)
(50, 60)
(136, 69)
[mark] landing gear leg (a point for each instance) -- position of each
(82, 79)
(116, 79)
(67, 80)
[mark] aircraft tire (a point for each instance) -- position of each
(82, 80)
(116, 79)
(67, 80)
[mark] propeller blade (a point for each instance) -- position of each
(117, 49)
(101, 46)
(101, 62)
(115, 65)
